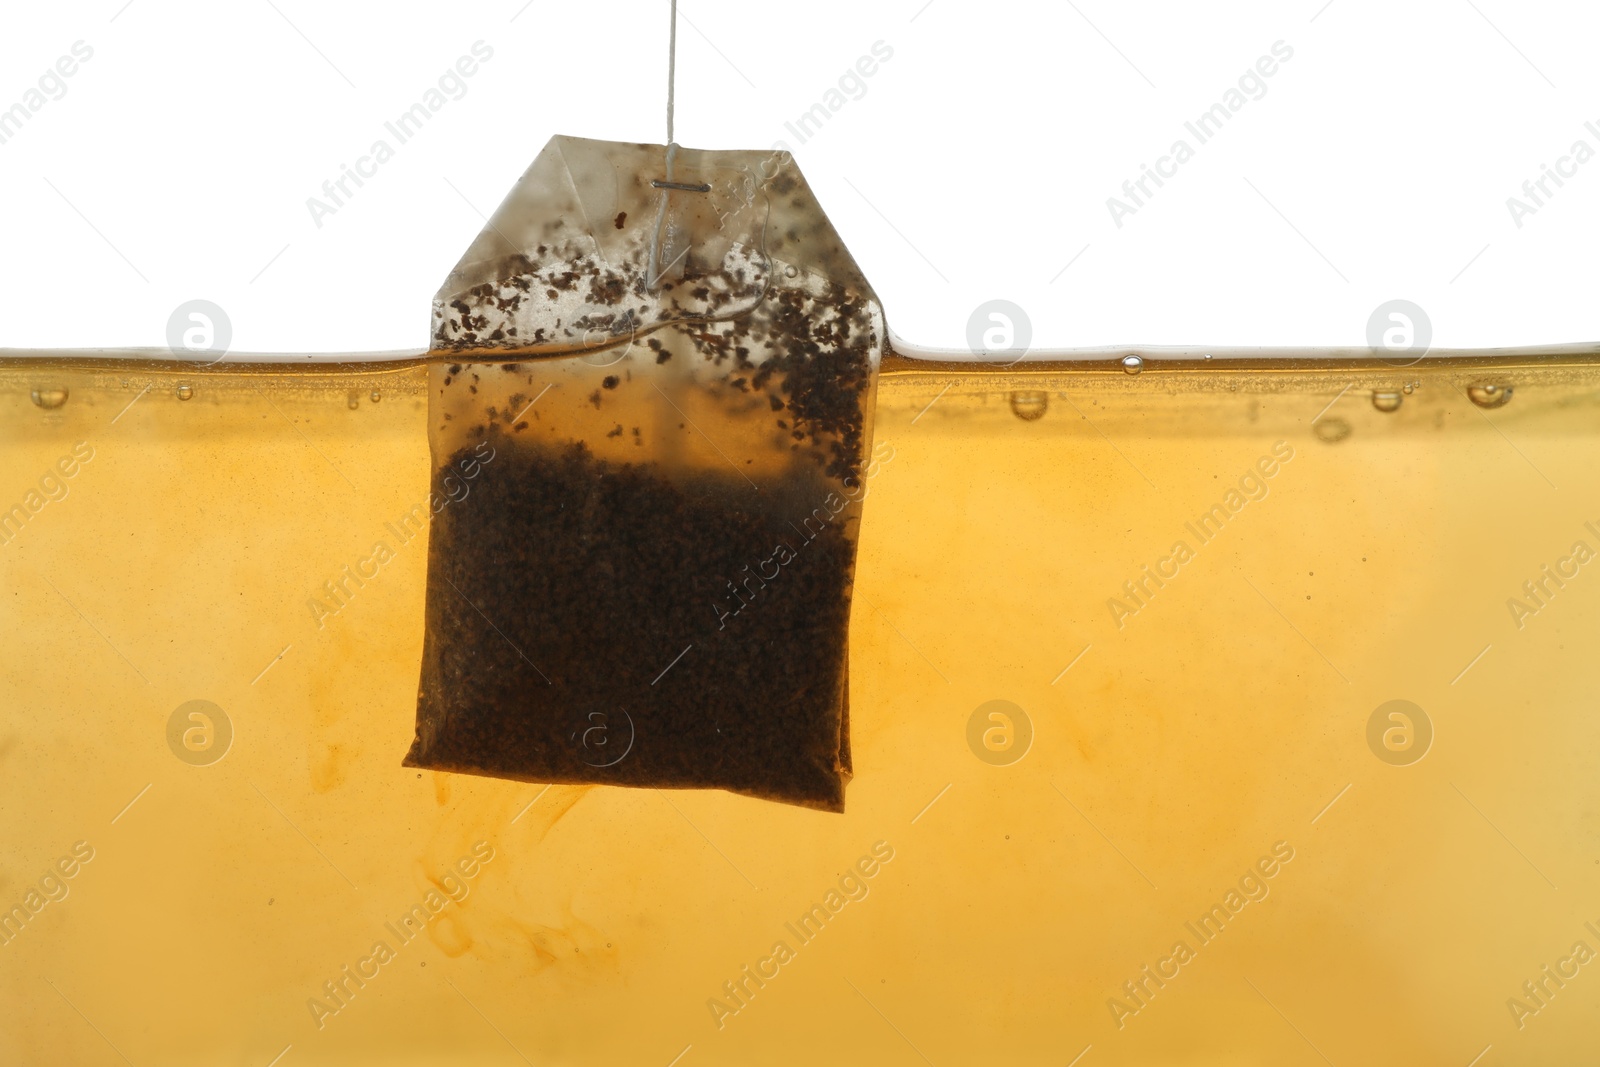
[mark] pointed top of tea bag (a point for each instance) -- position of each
(565, 263)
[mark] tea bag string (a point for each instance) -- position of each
(654, 274)
(672, 145)
(672, 70)
(655, 271)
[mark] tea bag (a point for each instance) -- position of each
(650, 419)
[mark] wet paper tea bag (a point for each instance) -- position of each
(652, 439)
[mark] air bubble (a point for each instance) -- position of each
(376, 396)
(1331, 430)
(185, 391)
(353, 401)
(1029, 406)
(50, 398)
(1489, 396)
(1132, 364)
(1386, 400)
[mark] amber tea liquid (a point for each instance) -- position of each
(1229, 712)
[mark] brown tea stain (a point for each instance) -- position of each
(450, 935)
(327, 768)
(384, 635)
(437, 865)
(555, 802)
(573, 946)
(327, 759)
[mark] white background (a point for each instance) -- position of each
(976, 165)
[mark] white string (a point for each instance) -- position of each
(652, 276)
(672, 64)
